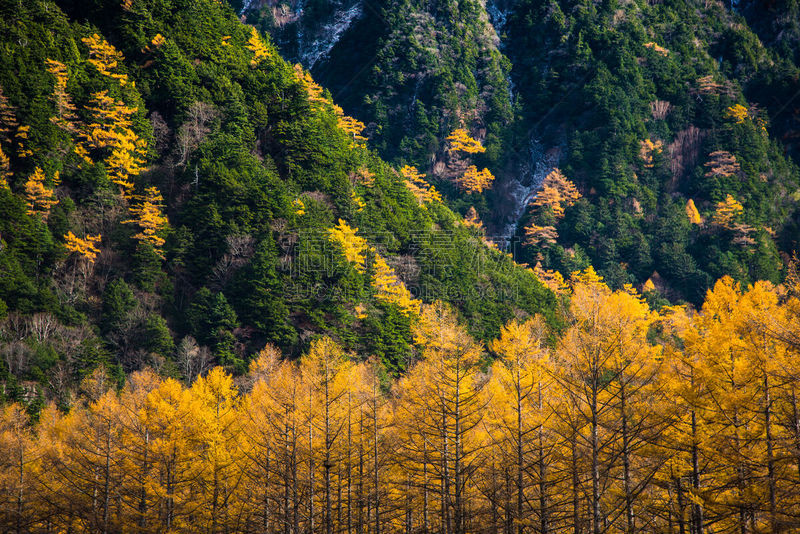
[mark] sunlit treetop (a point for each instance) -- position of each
(475, 181)
(461, 141)
(85, 247)
(693, 213)
(353, 245)
(104, 57)
(257, 46)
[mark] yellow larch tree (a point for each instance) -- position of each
(149, 217)
(19, 456)
(438, 410)
(112, 129)
(657, 48)
(352, 127)
(39, 197)
(552, 279)
(648, 149)
(422, 190)
(5, 169)
(461, 141)
(727, 212)
(540, 235)
(21, 138)
(8, 119)
(472, 220)
(520, 388)
(358, 202)
(104, 57)
(557, 193)
(738, 113)
(257, 46)
(692, 213)
(475, 181)
(65, 110)
(312, 88)
(392, 290)
(353, 246)
(85, 247)
(218, 429)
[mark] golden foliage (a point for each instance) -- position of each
(692, 213)
(727, 211)
(158, 40)
(391, 290)
(540, 235)
(475, 181)
(65, 110)
(358, 202)
(299, 207)
(557, 193)
(149, 217)
(648, 149)
(738, 113)
(658, 49)
(312, 88)
(38, 196)
(552, 279)
(669, 418)
(112, 129)
(388, 287)
(353, 246)
(351, 127)
(85, 247)
(364, 177)
(415, 182)
(461, 141)
(104, 57)
(8, 119)
(5, 169)
(472, 220)
(21, 138)
(257, 46)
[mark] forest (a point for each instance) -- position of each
(628, 420)
(453, 266)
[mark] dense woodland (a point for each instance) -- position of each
(243, 294)
(630, 421)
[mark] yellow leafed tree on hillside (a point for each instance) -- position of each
(461, 141)
(149, 217)
(39, 197)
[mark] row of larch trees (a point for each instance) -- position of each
(624, 420)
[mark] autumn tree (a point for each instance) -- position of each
(439, 406)
(257, 46)
(557, 193)
(475, 181)
(520, 389)
(149, 218)
(692, 213)
(39, 197)
(461, 141)
(727, 211)
(422, 190)
(65, 116)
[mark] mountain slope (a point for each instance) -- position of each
(255, 165)
(630, 100)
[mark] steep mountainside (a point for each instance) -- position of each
(639, 104)
(174, 194)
